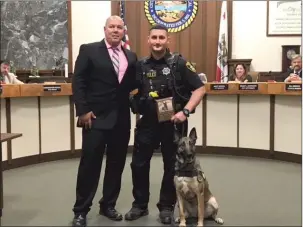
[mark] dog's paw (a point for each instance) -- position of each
(200, 224)
(219, 221)
(182, 224)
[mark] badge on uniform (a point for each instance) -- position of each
(166, 71)
(165, 109)
(151, 74)
(190, 67)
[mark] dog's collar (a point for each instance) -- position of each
(187, 173)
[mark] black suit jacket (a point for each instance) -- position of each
(290, 71)
(96, 87)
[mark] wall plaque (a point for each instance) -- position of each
(284, 18)
(52, 88)
(248, 87)
(218, 87)
(293, 87)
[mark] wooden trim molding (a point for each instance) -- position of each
(225, 151)
(230, 27)
(70, 36)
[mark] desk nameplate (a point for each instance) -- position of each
(293, 87)
(218, 87)
(248, 87)
(52, 88)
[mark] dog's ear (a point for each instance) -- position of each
(193, 135)
(177, 136)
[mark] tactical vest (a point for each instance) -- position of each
(166, 79)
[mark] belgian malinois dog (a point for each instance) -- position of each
(194, 197)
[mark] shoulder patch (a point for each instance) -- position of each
(190, 67)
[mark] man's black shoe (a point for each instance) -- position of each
(135, 213)
(79, 220)
(111, 213)
(165, 216)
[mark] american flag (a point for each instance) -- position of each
(125, 40)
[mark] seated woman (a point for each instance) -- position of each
(240, 74)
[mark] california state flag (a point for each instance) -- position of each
(222, 66)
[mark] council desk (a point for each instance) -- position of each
(251, 119)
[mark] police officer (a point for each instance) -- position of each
(161, 75)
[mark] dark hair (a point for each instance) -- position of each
(5, 62)
(159, 27)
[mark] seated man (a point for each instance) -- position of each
(295, 74)
(6, 77)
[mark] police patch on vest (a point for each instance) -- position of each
(190, 67)
(166, 71)
(175, 15)
(151, 74)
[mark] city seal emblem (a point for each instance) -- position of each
(175, 15)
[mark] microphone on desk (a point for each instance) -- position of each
(269, 75)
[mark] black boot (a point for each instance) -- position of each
(135, 213)
(111, 213)
(166, 216)
(79, 220)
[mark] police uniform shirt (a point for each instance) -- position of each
(160, 79)
(188, 75)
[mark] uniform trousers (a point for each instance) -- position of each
(94, 142)
(149, 135)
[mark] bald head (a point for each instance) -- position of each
(111, 18)
(114, 30)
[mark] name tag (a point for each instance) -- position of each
(218, 87)
(52, 88)
(293, 87)
(248, 87)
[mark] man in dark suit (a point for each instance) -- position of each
(295, 72)
(103, 78)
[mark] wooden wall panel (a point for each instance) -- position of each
(198, 43)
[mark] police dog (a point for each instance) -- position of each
(195, 199)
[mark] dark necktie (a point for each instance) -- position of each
(115, 59)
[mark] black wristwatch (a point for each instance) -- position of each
(186, 112)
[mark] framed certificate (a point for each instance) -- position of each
(284, 18)
(165, 109)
